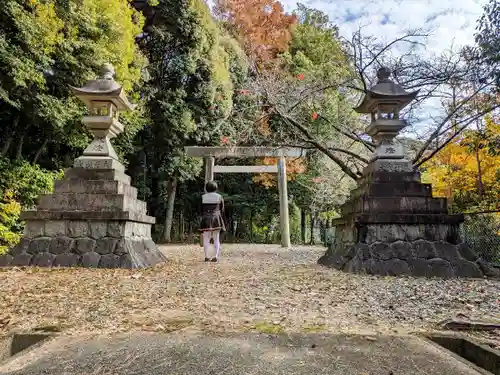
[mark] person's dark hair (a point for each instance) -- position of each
(211, 186)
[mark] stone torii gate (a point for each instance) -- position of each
(210, 153)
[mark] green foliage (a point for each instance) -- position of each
(20, 185)
(48, 45)
(488, 35)
(9, 222)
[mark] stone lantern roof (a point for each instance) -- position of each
(104, 88)
(385, 93)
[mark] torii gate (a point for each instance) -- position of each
(210, 153)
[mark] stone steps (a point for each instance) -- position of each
(96, 174)
(84, 201)
(394, 189)
(95, 187)
(396, 205)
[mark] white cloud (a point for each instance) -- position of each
(451, 21)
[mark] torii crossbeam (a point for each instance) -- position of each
(210, 153)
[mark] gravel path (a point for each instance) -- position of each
(253, 287)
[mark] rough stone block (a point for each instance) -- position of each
(116, 229)
(66, 260)
(382, 251)
(466, 252)
(354, 265)
(35, 228)
(447, 251)
(44, 259)
(55, 228)
(440, 268)
(363, 251)
(110, 261)
(22, 259)
(396, 267)
(79, 228)
(464, 268)
(6, 260)
(423, 249)
(98, 229)
(21, 247)
(105, 246)
(126, 261)
(401, 250)
(84, 245)
(418, 267)
(373, 267)
(39, 245)
(488, 269)
(90, 260)
(60, 245)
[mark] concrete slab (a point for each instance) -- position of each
(231, 354)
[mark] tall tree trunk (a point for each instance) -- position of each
(171, 190)
(19, 150)
(10, 137)
(480, 184)
(303, 226)
(40, 151)
(312, 222)
(6, 146)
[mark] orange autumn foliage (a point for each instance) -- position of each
(293, 167)
(262, 25)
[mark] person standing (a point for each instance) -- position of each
(212, 222)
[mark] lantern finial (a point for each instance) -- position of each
(107, 71)
(383, 73)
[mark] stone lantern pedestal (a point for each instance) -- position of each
(93, 218)
(392, 225)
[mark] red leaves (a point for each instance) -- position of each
(301, 77)
(314, 116)
(244, 92)
(224, 140)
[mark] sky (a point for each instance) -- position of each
(451, 22)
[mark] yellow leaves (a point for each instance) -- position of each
(454, 171)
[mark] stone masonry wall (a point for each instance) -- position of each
(395, 250)
(104, 244)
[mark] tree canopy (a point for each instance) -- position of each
(247, 73)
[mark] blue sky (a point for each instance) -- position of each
(451, 22)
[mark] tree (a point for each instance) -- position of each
(432, 75)
(262, 25)
(488, 37)
(193, 68)
(455, 170)
(45, 46)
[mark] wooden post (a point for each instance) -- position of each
(283, 194)
(209, 168)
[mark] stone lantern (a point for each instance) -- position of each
(105, 99)
(93, 218)
(392, 225)
(384, 102)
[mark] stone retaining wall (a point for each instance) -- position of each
(415, 258)
(104, 244)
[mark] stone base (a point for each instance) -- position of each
(93, 219)
(410, 258)
(103, 244)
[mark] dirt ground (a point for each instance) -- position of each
(253, 288)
